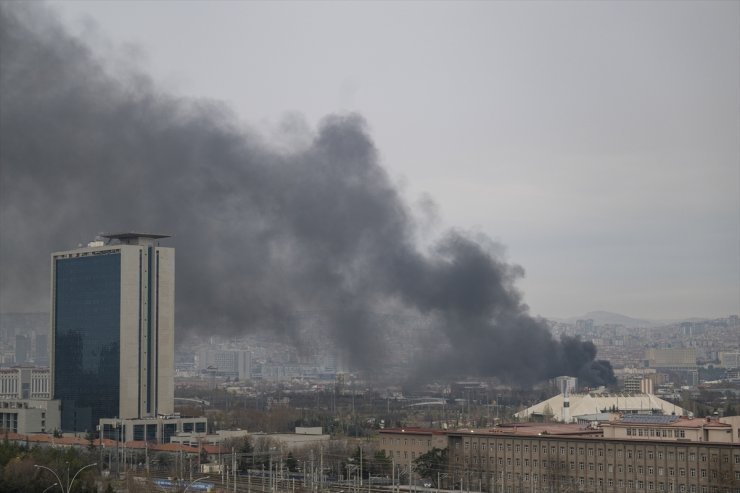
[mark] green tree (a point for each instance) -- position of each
(291, 462)
(430, 464)
(380, 465)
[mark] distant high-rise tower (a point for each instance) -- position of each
(41, 355)
(22, 348)
(112, 329)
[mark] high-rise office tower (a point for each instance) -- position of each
(112, 321)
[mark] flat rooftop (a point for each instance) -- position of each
(532, 429)
(133, 235)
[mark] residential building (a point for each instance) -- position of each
(678, 363)
(637, 384)
(729, 359)
(234, 363)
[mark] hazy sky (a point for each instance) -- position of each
(598, 141)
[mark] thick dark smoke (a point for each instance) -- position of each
(262, 236)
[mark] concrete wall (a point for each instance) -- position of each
(166, 332)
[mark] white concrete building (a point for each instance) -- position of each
(25, 382)
(729, 359)
(235, 363)
(29, 415)
(159, 429)
(588, 404)
(112, 336)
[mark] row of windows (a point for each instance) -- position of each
(390, 453)
(638, 485)
(652, 432)
(629, 454)
(406, 441)
(661, 471)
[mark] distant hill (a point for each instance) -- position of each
(609, 318)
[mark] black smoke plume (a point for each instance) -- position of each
(263, 237)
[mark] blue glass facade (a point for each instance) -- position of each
(87, 318)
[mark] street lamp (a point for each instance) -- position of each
(50, 487)
(59, 480)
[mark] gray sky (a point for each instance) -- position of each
(598, 141)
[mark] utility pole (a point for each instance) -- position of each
(313, 472)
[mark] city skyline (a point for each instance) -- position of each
(689, 263)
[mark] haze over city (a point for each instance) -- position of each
(609, 166)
